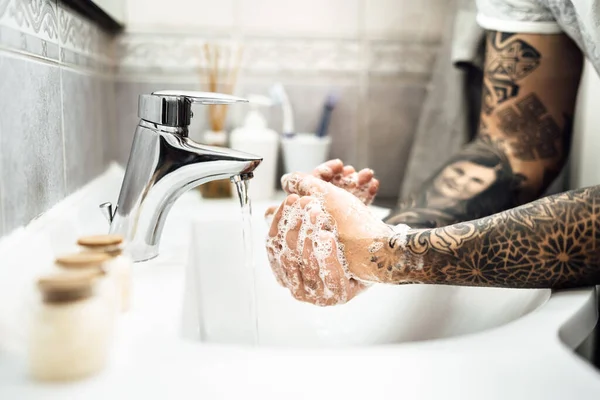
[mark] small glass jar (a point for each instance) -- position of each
(72, 328)
(97, 263)
(118, 266)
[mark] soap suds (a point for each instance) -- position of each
(317, 227)
(375, 247)
(399, 238)
(350, 184)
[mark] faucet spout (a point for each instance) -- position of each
(163, 164)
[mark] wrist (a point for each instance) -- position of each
(386, 258)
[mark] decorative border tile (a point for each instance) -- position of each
(323, 56)
(170, 55)
(397, 58)
(27, 43)
(43, 29)
(35, 17)
(54, 32)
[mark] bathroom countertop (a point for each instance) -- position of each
(528, 358)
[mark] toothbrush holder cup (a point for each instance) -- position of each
(304, 151)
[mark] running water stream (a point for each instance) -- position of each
(249, 268)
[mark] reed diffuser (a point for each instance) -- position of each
(220, 75)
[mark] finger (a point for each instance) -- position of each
(275, 266)
(291, 199)
(365, 175)
(270, 211)
(330, 268)
(328, 169)
(270, 214)
(323, 220)
(349, 170)
(302, 184)
(313, 285)
(294, 278)
(295, 226)
(374, 187)
(304, 201)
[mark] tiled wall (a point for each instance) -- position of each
(68, 102)
(377, 53)
(57, 114)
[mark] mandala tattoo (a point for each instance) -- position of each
(537, 135)
(509, 60)
(550, 243)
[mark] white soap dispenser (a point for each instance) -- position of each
(256, 138)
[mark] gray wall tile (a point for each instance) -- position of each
(109, 111)
(30, 138)
(393, 110)
(1, 213)
(83, 126)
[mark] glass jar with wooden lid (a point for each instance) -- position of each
(71, 329)
(92, 262)
(118, 267)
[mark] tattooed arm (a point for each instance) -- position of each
(529, 89)
(323, 241)
(553, 242)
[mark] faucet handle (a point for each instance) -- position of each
(174, 107)
(201, 97)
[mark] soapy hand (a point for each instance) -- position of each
(361, 184)
(319, 240)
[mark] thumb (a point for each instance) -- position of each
(302, 184)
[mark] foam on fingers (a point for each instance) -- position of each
(365, 176)
(331, 269)
(348, 170)
(305, 251)
(328, 169)
(291, 272)
(313, 284)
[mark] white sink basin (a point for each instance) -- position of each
(219, 299)
(458, 343)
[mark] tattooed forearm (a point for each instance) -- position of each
(551, 243)
(529, 88)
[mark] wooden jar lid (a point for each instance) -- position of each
(64, 287)
(82, 260)
(100, 240)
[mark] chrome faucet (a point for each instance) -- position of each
(164, 163)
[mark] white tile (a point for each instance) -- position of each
(409, 19)
(336, 18)
(180, 14)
